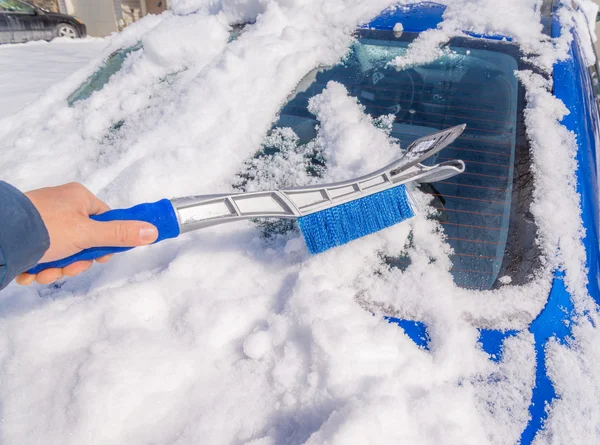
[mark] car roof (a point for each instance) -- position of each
(417, 17)
(414, 18)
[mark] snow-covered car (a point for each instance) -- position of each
(486, 212)
(495, 281)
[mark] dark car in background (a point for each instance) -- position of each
(21, 22)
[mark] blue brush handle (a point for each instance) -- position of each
(161, 214)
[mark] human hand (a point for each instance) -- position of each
(66, 211)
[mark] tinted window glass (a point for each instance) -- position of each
(16, 6)
(113, 64)
(484, 211)
(101, 77)
(595, 76)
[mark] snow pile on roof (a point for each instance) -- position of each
(224, 336)
(516, 19)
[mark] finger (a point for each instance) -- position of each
(90, 204)
(96, 205)
(25, 279)
(72, 270)
(49, 276)
(103, 259)
(120, 234)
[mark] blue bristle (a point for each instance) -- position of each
(355, 219)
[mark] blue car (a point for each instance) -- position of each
(484, 212)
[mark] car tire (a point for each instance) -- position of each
(66, 30)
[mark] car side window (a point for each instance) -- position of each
(16, 6)
(595, 74)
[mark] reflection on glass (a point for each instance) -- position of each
(101, 77)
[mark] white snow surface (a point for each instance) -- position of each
(28, 70)
(225, 337)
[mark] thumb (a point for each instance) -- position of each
(121, 234)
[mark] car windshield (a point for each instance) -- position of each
(484, 212)
(113, 65)
(101, 77)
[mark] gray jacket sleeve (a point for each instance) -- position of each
(23, 235)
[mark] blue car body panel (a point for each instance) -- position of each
(553, 322)
(414, 18)
(573, 85)
(417, 18)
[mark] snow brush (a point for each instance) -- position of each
(329, 215)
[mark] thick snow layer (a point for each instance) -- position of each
(226, 336)
(28, 70)
(516, 19)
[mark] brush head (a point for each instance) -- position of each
(339, 225)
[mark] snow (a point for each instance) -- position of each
(516, 19)
(554, 150)
(227, 337)
(257, 344)
(21, 79)
(575, 415)
(344, 131)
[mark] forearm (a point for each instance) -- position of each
(23, 235)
